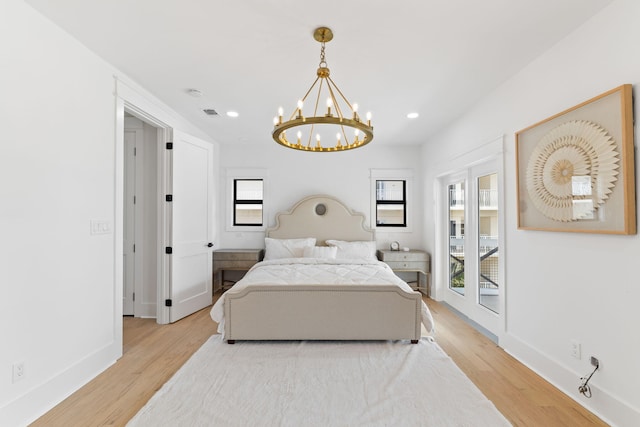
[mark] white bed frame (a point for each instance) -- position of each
(322, 312)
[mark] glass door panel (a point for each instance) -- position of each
(488, 255)
(456, 236)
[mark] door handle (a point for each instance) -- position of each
(210, 245)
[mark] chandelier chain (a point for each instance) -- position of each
(323, 61)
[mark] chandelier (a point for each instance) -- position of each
(340, 117)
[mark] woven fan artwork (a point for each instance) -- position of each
(572, 171)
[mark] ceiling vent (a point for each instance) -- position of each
(210, 112)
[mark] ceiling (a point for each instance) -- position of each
(433, 57)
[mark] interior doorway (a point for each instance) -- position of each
(140, 222)
(183, 259)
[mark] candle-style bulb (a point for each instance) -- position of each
(369, 118)
(275, 121)
(299, 112)
(329, 104)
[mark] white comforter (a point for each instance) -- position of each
(314, 271)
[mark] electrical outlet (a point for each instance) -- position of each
(575, 349)
(595, 362)
(18, 371)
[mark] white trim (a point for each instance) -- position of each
(406, 175)
(488, 158)
(41, 399)
(621, 412)
(156, 115)
(118, 226)
(245, 173)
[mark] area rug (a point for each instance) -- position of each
(319, 383)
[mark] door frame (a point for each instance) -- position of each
(139, 106)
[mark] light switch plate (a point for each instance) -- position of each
(99, 226)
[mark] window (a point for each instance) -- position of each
(391, 203)
(248, 198)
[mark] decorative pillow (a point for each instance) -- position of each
(320, 252)
(286, 248)
(354, 250)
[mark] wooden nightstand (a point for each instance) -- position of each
(409, 261)
(233, 259)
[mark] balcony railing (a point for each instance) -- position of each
(486, 198)
(389, 194)
(486, 244)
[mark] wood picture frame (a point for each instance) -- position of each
(575, 170)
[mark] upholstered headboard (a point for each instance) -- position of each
(322, 217)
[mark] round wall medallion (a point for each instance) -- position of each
(321, 209)
(572, 171)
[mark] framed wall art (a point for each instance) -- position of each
(575, 170)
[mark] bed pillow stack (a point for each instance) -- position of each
(354, 250)
(286, 248)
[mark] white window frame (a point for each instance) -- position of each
(234, 174)
(406, 175)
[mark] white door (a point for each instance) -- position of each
(473, 245)
(192, 225)
(129, 262)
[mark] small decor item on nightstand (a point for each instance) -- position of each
(395, 246)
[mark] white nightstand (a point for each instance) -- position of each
(409, 261)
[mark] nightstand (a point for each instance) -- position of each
(233, 259)
(409, 261)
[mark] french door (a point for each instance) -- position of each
(470, 208)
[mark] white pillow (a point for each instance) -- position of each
(354, 250)
(320, 252)
(286, 248)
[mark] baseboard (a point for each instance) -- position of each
(611, 409)
(36, 402)
(147, 311)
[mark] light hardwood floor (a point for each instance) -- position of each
(153, 353)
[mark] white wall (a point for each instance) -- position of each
(562, 286)
(57, 173)
(293, 175)
(56, 170)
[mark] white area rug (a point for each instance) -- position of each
(319, 383)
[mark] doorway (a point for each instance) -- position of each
(182, 277)
(140, 239)
(472, 244)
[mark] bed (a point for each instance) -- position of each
(308, 294)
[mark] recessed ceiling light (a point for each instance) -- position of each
(413, 115)
(194, 92)
(232, 113)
